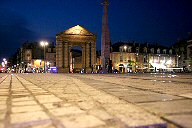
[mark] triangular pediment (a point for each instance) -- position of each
(77, 30)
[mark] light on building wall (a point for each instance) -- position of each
(3, 64)
(125, 47)
(169, 62)
(48, 63)
(44, 44)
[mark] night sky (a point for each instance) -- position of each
(162, 21)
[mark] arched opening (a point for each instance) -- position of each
(76, 59)
(121, 68)
(65, 41)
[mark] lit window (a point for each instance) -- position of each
(129, 49)
(164, 51)
(137, 50)
(152, 50)
(121, 58)
(125, 48)
(49, 49)
(145, 50)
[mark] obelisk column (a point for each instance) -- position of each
(105, 41)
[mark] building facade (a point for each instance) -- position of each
(30, 57)
(189, 55)
(75, 36)
(136, 57)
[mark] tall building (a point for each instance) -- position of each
(105, 41)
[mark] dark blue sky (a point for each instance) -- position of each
(162, 21)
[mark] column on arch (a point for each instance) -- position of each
(83, 55)
(93, 53)
(59, 54)
(88, 57)
(66, 55)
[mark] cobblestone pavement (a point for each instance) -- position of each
(94, 101)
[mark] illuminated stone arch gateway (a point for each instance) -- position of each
(75, 36)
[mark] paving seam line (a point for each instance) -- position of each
(55, 121)
(135, 104)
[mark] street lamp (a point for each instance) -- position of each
(178, 60)
(44, 44)
(4, 64)
(125, 48)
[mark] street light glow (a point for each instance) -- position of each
(125, 47)
(44, 43)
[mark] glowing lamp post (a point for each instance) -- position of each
(125, 48)
(4, 64)
(44, 44)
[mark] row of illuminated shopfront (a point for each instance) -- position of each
(144, 58)
(134, 62)
(35, 66)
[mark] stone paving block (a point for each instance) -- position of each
(70, 97)
(168, 107)
(47, 98)
(106, 99)
(86, 105)
(101, 114)
(4, 93)
(141, 121)
(41, 93)
(46, 123)
(18, 90)
(4, 90)
(2, 114)
(3, 98)
(132, 115)
(23, 103)
(17, 109)
(71, 89)
(72, 110)
(24, 98)
(187, 95)
(1, 125)
(56, 105)
(28, 117)
(15, 84)
(183, 120)
(92, 92)
(121, 108)
(2, 86)
(2, 102)
(3, 107)
(44, 126)
(20, 93)
(40, 90)
(150, 98)
(81, 121)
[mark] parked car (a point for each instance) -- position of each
(115, 71)
(2, 70)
